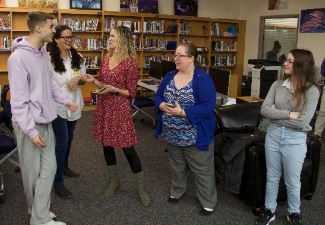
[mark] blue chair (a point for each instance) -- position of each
(140, 102)
(8, 145)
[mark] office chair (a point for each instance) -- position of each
(140, 102)
(8, 144)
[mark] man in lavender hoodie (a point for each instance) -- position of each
(33, 105)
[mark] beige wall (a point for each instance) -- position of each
(207, 8)
(250, 10)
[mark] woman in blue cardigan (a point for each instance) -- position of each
(185, 101)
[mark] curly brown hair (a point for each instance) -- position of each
(56, 58)
(303, 73)
(125, 46)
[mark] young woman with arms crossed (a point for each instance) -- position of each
(290, 106)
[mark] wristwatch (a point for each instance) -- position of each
(117, 91)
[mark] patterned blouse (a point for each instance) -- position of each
(178, 130)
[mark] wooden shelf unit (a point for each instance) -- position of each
(199, 34)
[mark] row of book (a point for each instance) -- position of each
(153, 27)
(5, 43)
(91, 62)
(137, 42)
(94, 96)
(226, 46)
(109, 24)
(82, 26)
(201, 59)
(225, 61)
(172, 28)
(154, 44)
(184, 28)
(215, 29)
(4, 25)
(149, 27)
(233, 31)
(156, 58)
(184, 40)
(95, 44)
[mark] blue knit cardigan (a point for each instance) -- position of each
(201, 114)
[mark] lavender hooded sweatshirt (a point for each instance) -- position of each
(33, 93)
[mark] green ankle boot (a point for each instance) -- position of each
(114, 181)
(145, 199)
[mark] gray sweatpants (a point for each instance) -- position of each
(38, 168)
(201, 163)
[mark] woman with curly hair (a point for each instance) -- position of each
(113, 124)
(67, 66)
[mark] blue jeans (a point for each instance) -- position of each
(284, 149)
(63, 130)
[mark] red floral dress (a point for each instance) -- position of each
(113, 124)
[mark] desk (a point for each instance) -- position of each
(152, 87)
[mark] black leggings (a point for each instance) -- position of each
(130, 154)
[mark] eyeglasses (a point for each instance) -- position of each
(66, 38)
(288, 61)
(179, 56)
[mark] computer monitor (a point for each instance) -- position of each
(167, 66)
(268, 77)
(221, 80)
(155, 70)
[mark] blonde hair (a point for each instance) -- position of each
(125, 46)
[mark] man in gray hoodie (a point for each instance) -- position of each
(33, 105)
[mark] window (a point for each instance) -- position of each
(274, 31)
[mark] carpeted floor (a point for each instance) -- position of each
(89, 206)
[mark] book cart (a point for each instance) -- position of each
(155, 36)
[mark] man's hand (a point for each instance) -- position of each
(39, 141)
(72, 106)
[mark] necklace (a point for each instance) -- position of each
(182, 78)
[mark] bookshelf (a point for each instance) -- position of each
(4, 54)
(232, 53)
(161, 30)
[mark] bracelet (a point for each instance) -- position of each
(289, 115)
(94, 80)
(181, 112)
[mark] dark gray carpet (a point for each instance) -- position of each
(89, 206)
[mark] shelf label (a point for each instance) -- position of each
(99, 13)
(186, 18)
(157, 16)
(55, 11)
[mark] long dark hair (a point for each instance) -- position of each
(191, 50)
(56, 59)
(303, 73)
